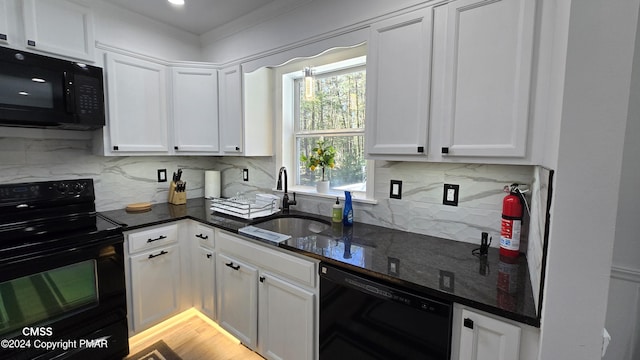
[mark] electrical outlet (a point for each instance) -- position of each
(447, 281)
(395, 191)
(162, 175)
(393, 266)
(450, 196)
(245, 174)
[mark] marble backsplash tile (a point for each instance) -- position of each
(123, 180)
(420, 210)
(118, 180)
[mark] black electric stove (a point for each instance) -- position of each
(61, 274)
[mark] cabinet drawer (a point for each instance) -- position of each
(152, 238)
(276, 261)
(205, 235)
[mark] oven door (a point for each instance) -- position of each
(67, 296)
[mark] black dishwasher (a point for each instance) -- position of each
(362, 318)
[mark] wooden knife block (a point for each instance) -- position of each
(177, 197)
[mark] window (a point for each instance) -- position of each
(335, 114)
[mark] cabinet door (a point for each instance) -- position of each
(59, 27)
(398, 68)
(4, 21)
(237, 292)
(231, 122)
(206, 265)
(137, 96)
(487, 77)
(155, 286)
(286, 320)
(195, 110)
(485, 338)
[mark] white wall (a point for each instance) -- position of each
(601, 38)
(623, 309)
(303, 23)
(130, 31)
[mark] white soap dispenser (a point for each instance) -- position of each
(336, 212)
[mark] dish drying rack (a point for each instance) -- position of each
(243, 208)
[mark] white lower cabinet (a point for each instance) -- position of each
(203, 268)
(266, 298)
(237, 289)
(155, 276)
(205, 287)
(480, 336)
(285, 319)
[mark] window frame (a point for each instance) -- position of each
(289, 155)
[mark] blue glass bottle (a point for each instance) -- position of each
(347, 215)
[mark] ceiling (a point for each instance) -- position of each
(196, 16)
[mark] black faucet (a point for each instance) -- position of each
(285, 199)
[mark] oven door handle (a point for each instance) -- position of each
(151, 256)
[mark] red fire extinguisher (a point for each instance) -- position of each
(511, 222)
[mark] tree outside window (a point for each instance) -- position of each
(335, 114)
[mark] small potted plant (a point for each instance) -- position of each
(322, 156)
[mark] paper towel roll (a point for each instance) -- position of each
(211, 184)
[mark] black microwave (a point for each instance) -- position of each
(45, 92)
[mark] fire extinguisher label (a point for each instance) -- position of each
(510, 234)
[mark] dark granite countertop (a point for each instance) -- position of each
(434, 266)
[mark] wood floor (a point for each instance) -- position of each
(193, 338)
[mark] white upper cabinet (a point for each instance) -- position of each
(398, 80)
(195, 110)
(230, 92)
(258, 112)
(486, 62)
(137, 98)
(59, 27)
(4, 22)
(246, 112)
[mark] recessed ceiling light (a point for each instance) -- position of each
(177, 2)
(38, 80)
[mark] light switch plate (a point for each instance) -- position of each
(395, 190)
(450, 196)
(245, 174)
(162, 175)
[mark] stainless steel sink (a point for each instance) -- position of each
(294, 225)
